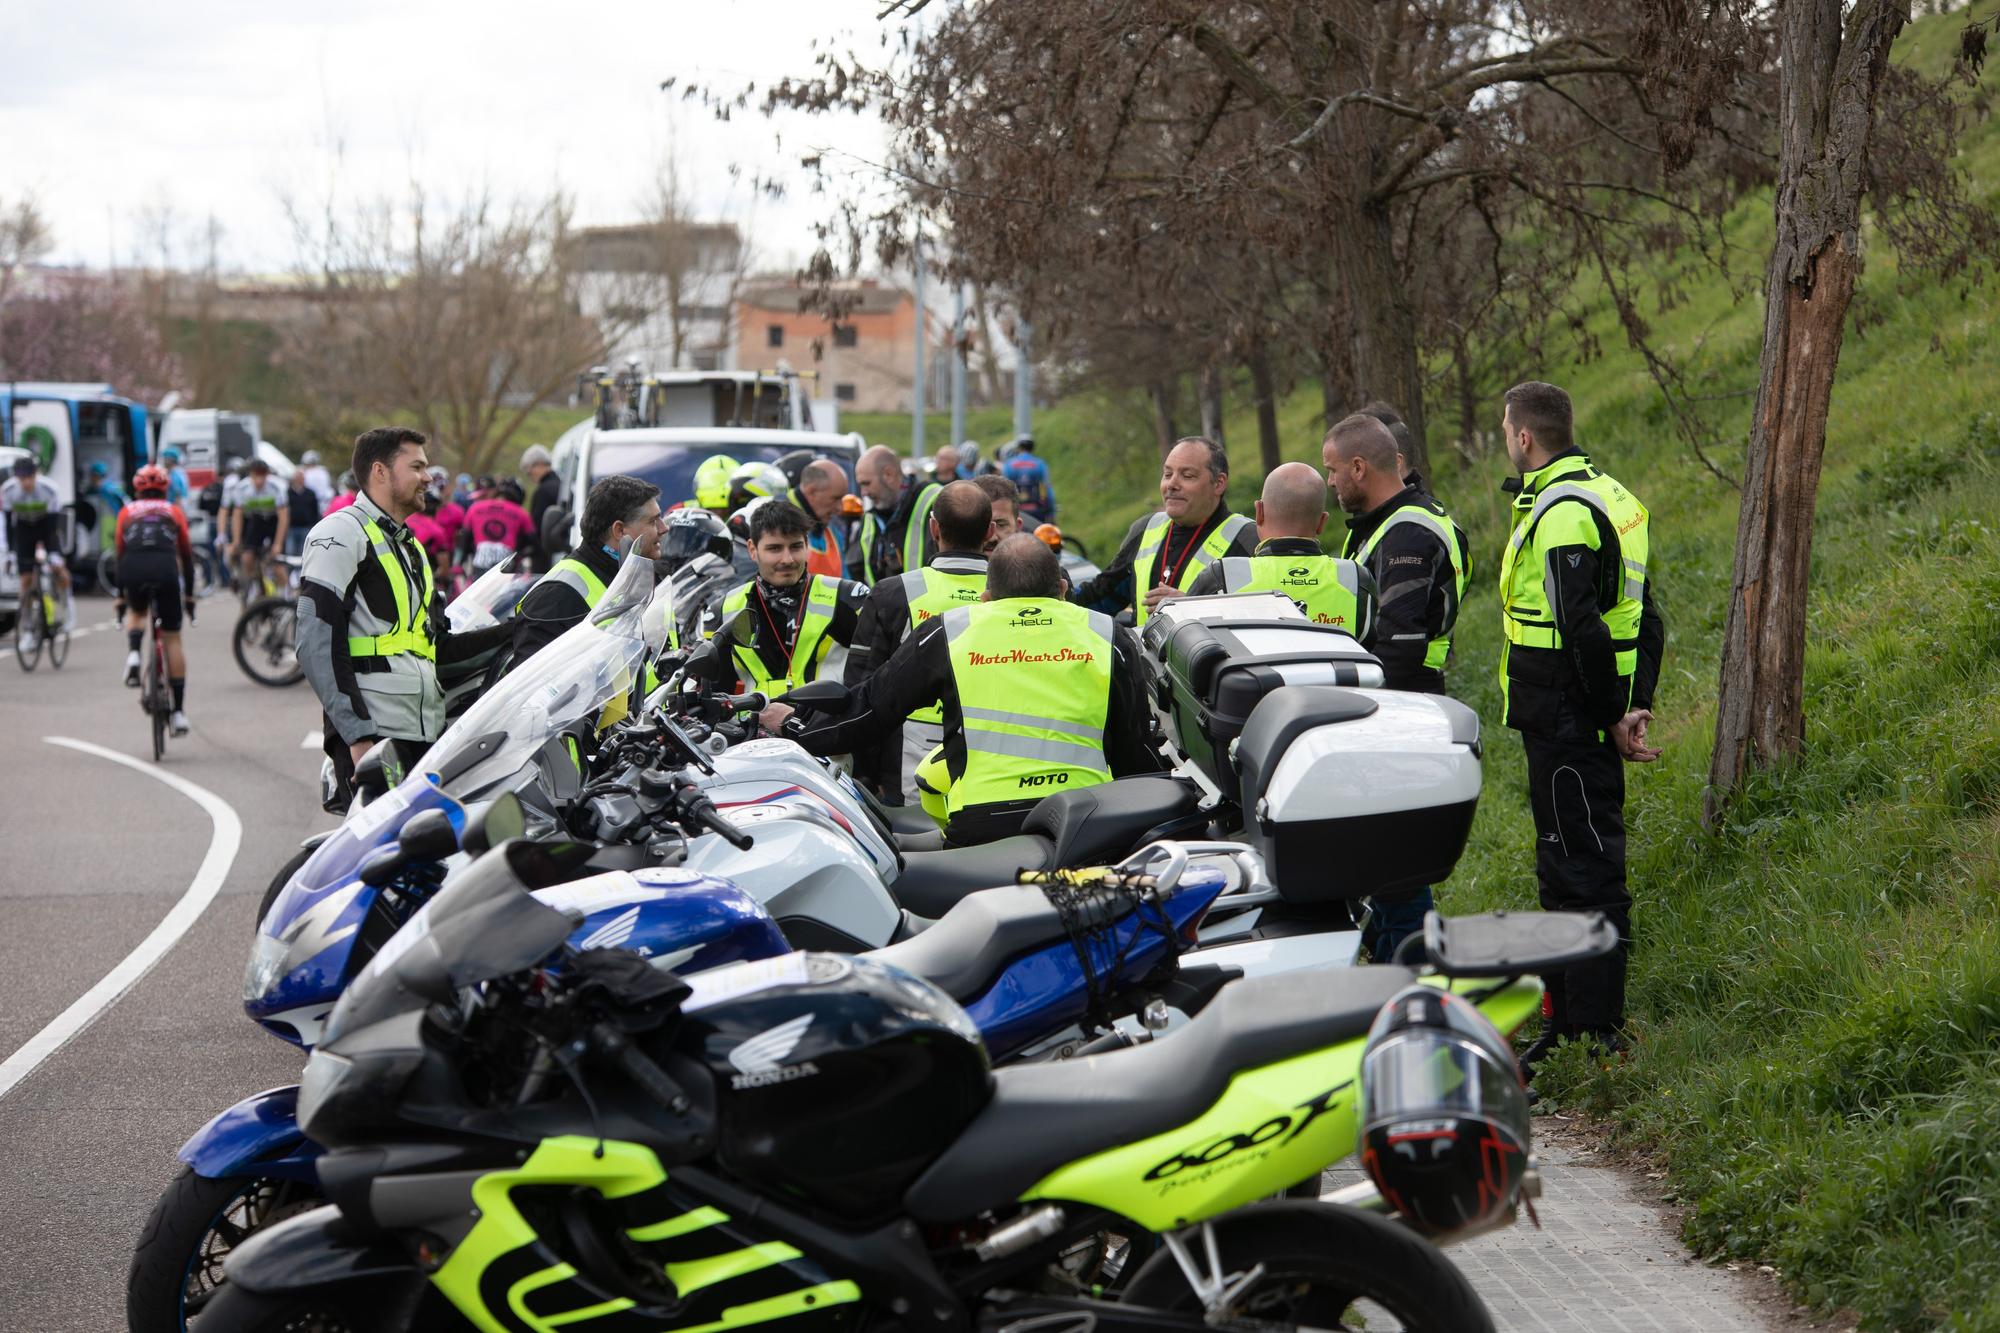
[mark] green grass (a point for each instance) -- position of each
(1816, 988)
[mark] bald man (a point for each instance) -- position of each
(1291, 514)
(822, 486)
(1416, 554)
(896, 536)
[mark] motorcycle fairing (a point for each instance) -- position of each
(259, 1133)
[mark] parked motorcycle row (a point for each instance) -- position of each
(619, 1018)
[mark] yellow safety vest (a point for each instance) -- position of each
(809, 648)
(1033, 679)
(412, 633)
(1439, 649)
(931, 593)
(1329, 590)
(1154, 538)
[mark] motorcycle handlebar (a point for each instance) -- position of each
(753, 702)
(639, 1067)
(700, 810)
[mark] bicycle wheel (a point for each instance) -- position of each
(29, 634)
(55, 633)
(107, 571)
(264, 643)
(204, 573)
(152, 697)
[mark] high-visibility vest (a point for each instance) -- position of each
(931, 593)
(1571, 503)
(1033, 679)
(809, 648)
(1439, 649)
(412, 633)
(572, 574)
(920, 520)
(1331, 591)
(1154, 538)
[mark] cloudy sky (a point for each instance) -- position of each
(112, 108)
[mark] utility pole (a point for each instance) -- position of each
(1024, 389)
(918, 398)
(957, 364)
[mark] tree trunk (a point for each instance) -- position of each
(1468, 396)
(1211, 403)
(1384, 323)
(1827, 96)
(1267, 405)
(1163, 416)
(989, 355)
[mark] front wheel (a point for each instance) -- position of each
(176, 1269)
(28, 636)
(265, 643)
(1325, 1266)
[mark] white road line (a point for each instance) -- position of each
(208, 878)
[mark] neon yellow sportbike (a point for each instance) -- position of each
(524, 1137)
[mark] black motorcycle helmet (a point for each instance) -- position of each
(692, 532)
(1444, 1115)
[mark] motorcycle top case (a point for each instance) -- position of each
(1349, 793)
(839, 1079)
(1215, 673)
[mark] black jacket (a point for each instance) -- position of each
(551, 608)
(1418, 596)
(920, 671)
(885, 623)
(1112, 589)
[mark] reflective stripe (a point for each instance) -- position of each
(574, 575)
(1030, 747)
(1327, 588)
(1154, 537)
(915, 534)
(1030, 720)
(1439, 651)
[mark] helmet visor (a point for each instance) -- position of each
(1425, 1073)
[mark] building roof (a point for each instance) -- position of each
(635, 248)
(871, 295)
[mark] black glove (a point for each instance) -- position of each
(188, 604)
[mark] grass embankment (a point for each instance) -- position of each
(1816, 988)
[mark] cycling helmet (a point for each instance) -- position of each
(711, 482)
(151, 477)
(756, 481)
(99, 469)
(511, 490)
(1444, 1114)
(170, 455)
(690, 533)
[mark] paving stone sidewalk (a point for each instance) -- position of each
(1604, 1260)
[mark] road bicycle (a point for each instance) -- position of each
(41, 624)
(155, 695)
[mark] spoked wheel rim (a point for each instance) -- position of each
(264, 644)
(259, 1204)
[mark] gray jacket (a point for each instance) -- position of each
(344, 593)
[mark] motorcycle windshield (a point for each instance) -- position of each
(486, 597)
(585, 673)
(485, 924)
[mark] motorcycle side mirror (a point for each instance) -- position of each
(380, 866)
(501, 820)
(372, 776)
(817, 694)
(1503, 944)
(428, 837)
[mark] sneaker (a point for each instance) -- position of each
(178, 723)
(132, 668)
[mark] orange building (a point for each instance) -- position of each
(865, 363)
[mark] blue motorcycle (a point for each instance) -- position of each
(1034, 965)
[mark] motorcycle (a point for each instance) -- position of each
(514, 1146)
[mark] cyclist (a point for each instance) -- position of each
(1030, 476)
(262, 516)
(496, 526)
(32, 510)
(156, 574)
(107, 497)
(450, 513)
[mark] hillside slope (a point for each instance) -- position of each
(1817, 989)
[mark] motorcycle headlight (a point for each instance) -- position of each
(267, 964)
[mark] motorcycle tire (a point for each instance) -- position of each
(1319, 1261)
(278, 883)
(176, 1270)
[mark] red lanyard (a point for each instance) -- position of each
(1174, 579)
(779, 634)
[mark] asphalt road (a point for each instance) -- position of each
(95, 856)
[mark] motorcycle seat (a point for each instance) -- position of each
(933, 882)
(964, 953)
(1045, 1116)
(1099, 825)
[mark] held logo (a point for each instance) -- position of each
(1215, 1155)
(762, 1058)
(1031, 616)
(1299, 576)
